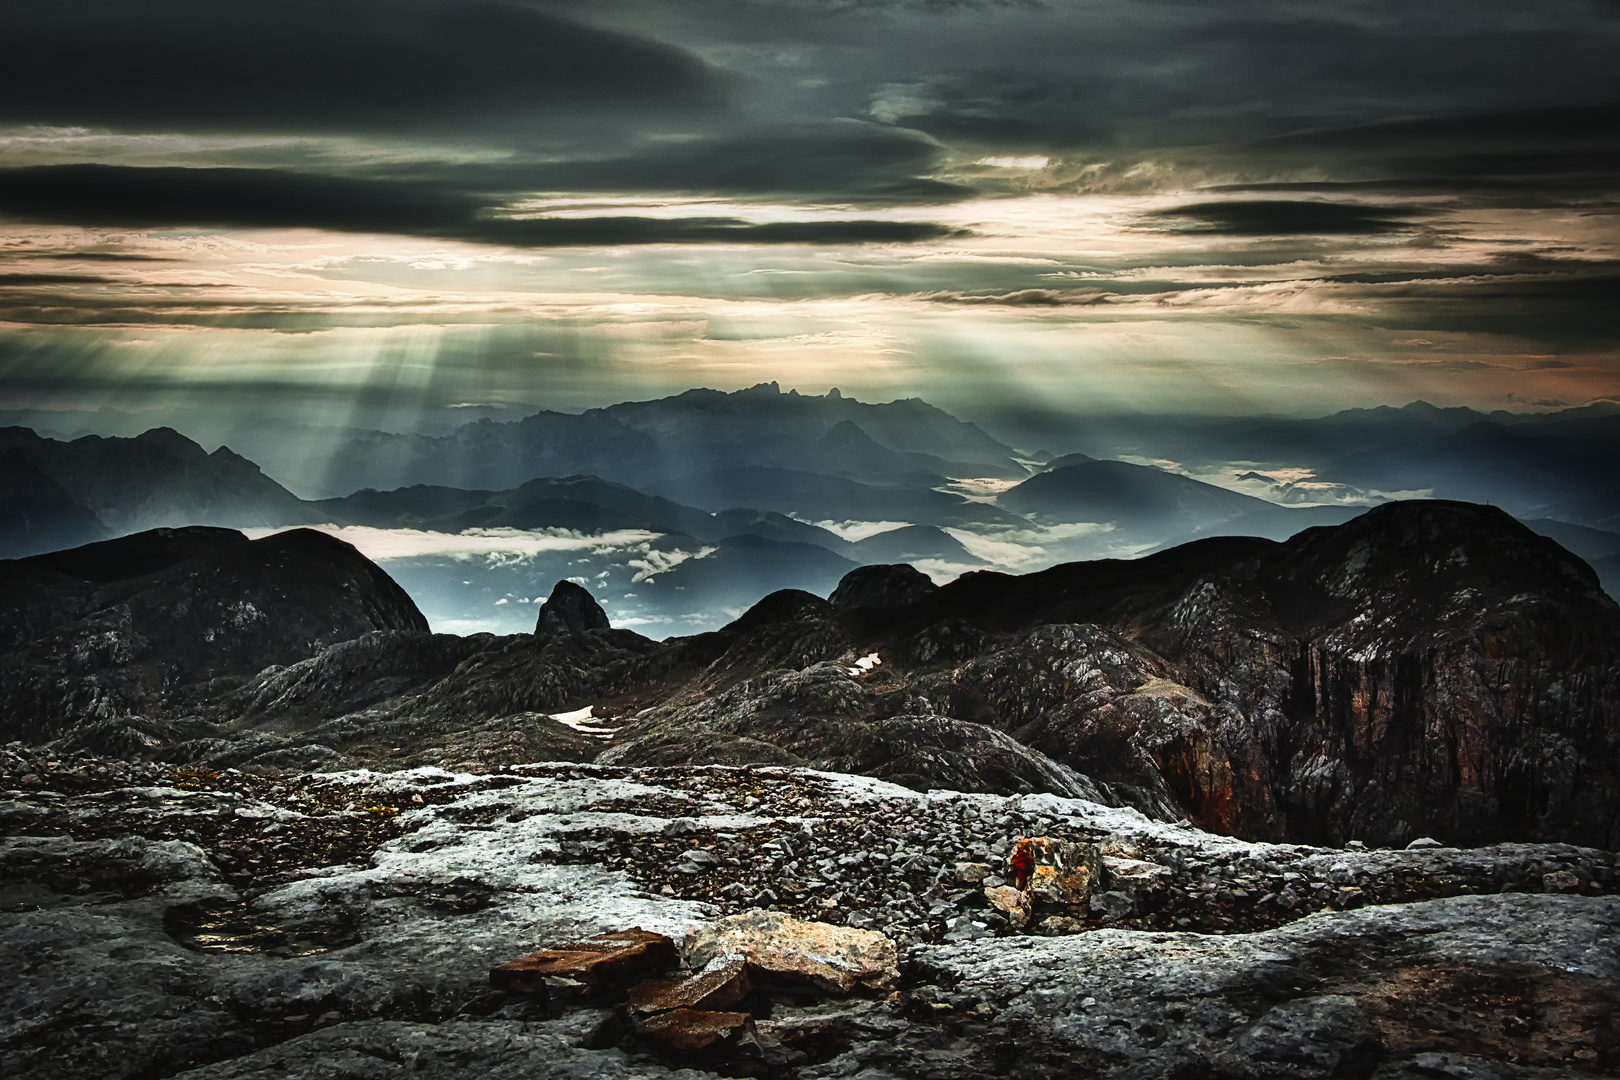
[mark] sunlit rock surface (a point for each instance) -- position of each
(159, 919)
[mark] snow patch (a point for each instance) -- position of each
(577, 718)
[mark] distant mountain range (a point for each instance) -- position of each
(1143, 498)
(1306, 441)
(705, 468)
(652, 444)
(55, 493)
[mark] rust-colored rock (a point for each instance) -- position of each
(838, 959)
(715, 990)
(691, 1032)
(1064, 872)
(600, 964)
(1012, 903)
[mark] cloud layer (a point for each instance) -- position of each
(1119, 205)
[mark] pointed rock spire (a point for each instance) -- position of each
(570, 610)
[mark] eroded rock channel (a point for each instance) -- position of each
(163, 922)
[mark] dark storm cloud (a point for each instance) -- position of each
(323, 65)
(1525, 157)
(1566, 309)
(1121, 75)
(110, 195)
(846, 158)
(1593, 126)
(53, 279)
(840, 160)
(1282, 217)
(87, 256)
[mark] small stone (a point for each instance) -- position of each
(718, 989)
(1424, 842)
(1064, 872)
(972, 873)
(1012, 903)
(1134, 875)
(963, 928)
(600, 963)
(1113, 905)
(1560, 881)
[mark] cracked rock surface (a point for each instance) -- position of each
(160, 921)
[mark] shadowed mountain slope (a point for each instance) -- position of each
(1136, 497)
(159, 478)
(1432, 667)
(646, 443)
(38, 514)
(1429, 668)
(129, 627)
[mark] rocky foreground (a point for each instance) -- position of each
(162, 921)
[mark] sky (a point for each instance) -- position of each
(373, 211)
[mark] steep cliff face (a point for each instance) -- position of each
(1430, 668)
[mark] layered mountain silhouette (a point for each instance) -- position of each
(1428, 668)
(671, 485)
(1140, 497)
(651, 443)
(37, 513)
(159, 478)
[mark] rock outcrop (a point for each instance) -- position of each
(159, 921)
(570, 610)
(1426, 669)
(883, 587)
(152, 627)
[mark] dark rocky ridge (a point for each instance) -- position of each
(1429, 668)
(157, 625)
(224, 912)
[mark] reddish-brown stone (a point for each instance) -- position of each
(689, 1032)
(1063, 872)
(716, 990)
(599, 964)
